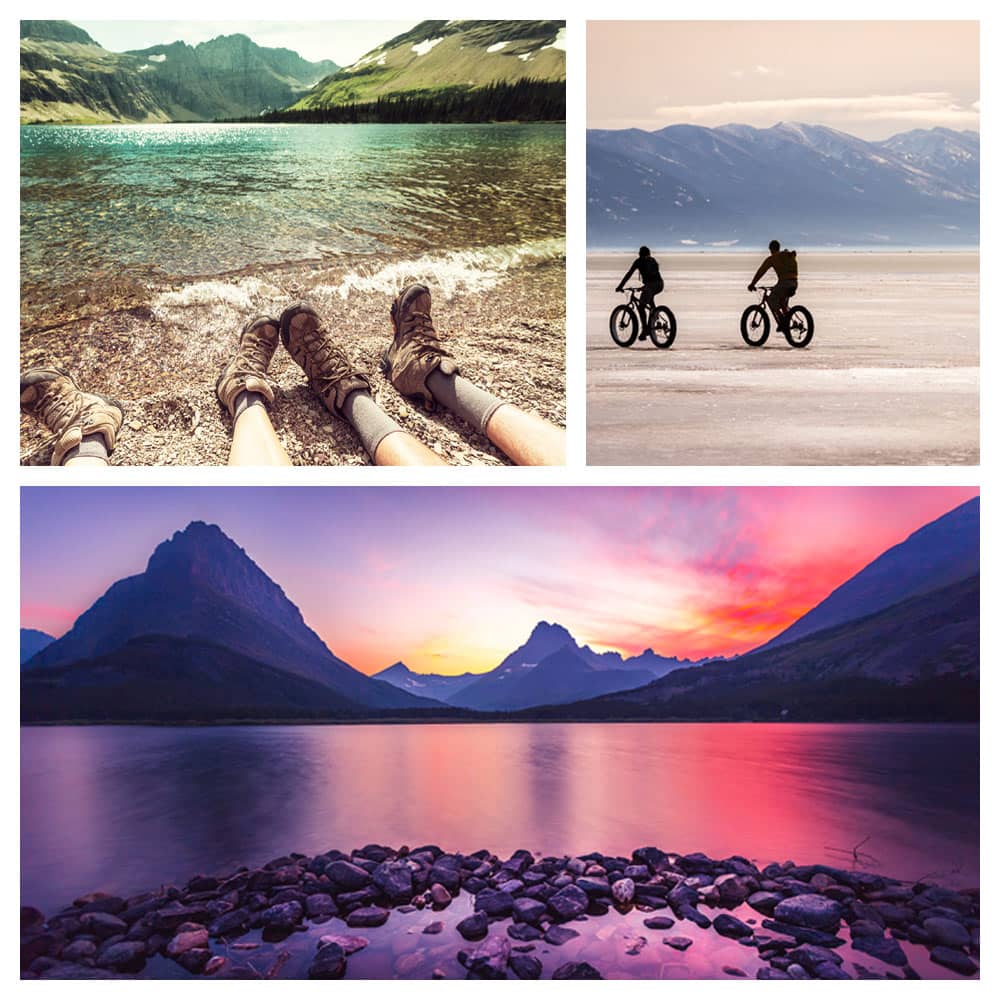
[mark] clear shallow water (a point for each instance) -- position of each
(125, 809)
(207, 199)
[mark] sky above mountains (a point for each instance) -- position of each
(871, 79)
(342, 41)
(451, 580)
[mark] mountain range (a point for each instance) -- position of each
(437, 71)
(204, 634)
(67, 77)
(807, 185)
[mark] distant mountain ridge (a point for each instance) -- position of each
(67, 77)
(736, 185)
(550, 667)
(438, 686)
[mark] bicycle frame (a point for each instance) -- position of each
(765, 300)
(645, 314)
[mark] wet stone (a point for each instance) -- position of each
(525, 966)
(576, 970)
(558, 935)
(330, 962)
(678, 943)
(955, 960)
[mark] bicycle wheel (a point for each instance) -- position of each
(800, 326)
(624, 326)
(755, 325)
(663, 329)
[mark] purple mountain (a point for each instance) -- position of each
(200, 586)
(551, 668)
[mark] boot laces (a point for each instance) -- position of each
(59, 404)
(326, 363)
(419, 332)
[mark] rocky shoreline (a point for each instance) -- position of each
(794, 921)
(158, 346)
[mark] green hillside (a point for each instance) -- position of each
(446, 57)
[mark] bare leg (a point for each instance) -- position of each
(401, 448)
(254, 440)
(81, 461)
(526, 438)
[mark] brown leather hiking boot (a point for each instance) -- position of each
(330, 372)
(415, 350)
(70, 413)
(247, 372)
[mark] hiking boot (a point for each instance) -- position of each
(70, 413)
(415, 351)
(248, 369)
(331, 375)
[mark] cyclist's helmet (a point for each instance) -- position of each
(643, 251)
(774, 246)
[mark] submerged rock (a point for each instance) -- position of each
(330, 962)
(576, 970)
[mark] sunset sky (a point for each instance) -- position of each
(871, 79)
(453, 579)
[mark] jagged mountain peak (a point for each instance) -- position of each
(550, 630)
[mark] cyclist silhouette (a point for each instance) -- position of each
(786, 267)
(652, 285)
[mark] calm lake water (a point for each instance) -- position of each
(185, 200)
(125, 809)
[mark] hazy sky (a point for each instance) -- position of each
(869, 78)
(342, 41)
(450, 580)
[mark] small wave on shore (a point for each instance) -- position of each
(473, 270)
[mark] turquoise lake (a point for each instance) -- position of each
(186, 200)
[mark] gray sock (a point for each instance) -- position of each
(368, 419)
(91, 446)
(474, 405)
(244, 400)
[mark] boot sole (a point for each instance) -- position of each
(284, 323)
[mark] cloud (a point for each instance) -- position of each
(939, 107)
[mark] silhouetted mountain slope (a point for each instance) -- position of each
(916, 659)
(804, 184)
(166, 679)
(200, 585)
(32, 641)
(67, 77)
(944, 551)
